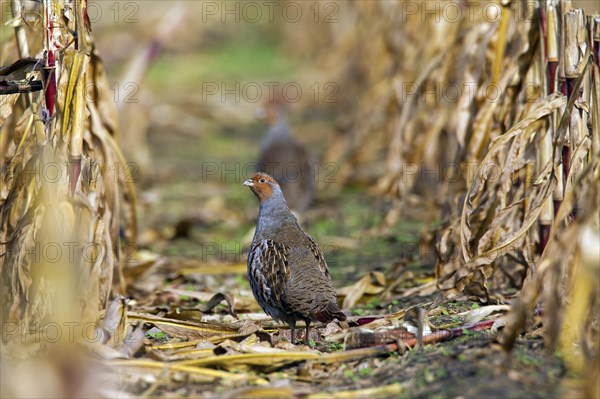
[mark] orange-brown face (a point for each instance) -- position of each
(273, 106)
(261, 184)
(271, 113)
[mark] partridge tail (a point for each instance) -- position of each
(328, 313)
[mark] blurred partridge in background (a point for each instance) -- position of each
(286, 268)
(283, 157)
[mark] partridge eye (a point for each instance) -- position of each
(262, 181)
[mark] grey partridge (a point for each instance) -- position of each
(286, 268)
(287, 160)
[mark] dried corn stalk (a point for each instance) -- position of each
(65, 210)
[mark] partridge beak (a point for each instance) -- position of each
(248, 183)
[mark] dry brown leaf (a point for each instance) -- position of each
(272, 359)
(542, 109)
(217, 299)
(353, 293)
(185, 329)
(475, 315)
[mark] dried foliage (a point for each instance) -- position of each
(66, 210)
(495, 116)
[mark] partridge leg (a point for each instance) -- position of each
(293, 328)
(306, 340)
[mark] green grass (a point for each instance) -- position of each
(231, 62)
(365, 371)
(158, 335)
(336, 347)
